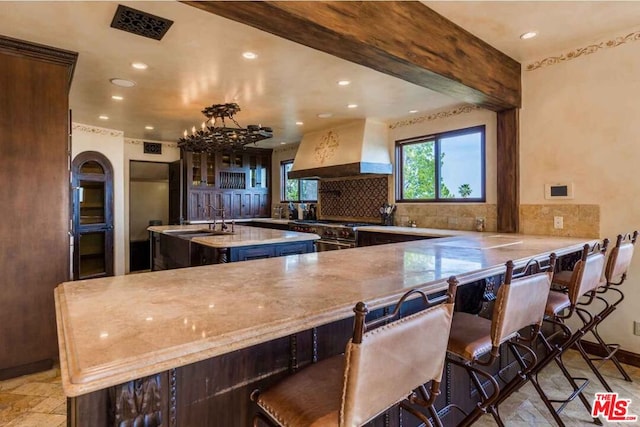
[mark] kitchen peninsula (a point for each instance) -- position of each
(177, 246)
(199, 340)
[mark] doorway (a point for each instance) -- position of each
(148, 205)
(92, 211)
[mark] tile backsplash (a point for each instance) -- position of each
(353, 198)
(448, 216)
(578, 220)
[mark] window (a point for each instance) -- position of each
(457, 175)
(296, 190)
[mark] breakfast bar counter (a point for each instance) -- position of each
(175, 326)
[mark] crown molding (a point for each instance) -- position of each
(40, 52)
(96, 130)
(583, 51)
(464, 109)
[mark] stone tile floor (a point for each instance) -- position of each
(38, 400)
(525, 408)
(35, 400)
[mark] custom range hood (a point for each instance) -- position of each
(353, 149)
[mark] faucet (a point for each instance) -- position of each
(210, 208)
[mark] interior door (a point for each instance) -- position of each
(92, 185)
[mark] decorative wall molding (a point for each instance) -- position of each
(587, 50)
(135, 141)
(96, 130)
(467, 108)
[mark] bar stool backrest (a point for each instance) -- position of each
(519, 303)
(587, 275)
(620, 257)
(393, 360)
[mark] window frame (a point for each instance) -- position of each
(436, 138)
(283, 185)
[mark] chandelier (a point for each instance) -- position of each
(216, 136)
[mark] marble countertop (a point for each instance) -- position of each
(416, 231)
(116, 329)
(241, 236)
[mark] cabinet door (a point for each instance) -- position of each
(247, 206)
(92, 216)
(236, 205)
(200, 170)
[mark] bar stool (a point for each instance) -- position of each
(584, 280)
(381, 367)
(519, 304)
(616, 269)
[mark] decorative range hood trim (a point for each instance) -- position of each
(341, 171)
(352, 149)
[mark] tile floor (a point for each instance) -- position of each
(37, 400)
(33, 401)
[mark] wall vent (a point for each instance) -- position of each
(140, 23)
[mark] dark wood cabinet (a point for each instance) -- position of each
(92, 216)
(235, 182)
(373, 238)
(34, 200)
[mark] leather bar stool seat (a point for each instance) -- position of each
(312, 399)
(387, 362)
(557, 302)
(471, 336)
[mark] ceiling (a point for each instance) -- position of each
(199, 62)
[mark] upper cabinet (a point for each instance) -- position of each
(236, 183)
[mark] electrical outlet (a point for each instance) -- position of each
(558, 222)
(636, 328)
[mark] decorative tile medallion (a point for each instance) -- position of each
(327, 147)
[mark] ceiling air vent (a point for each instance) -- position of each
(140, 23)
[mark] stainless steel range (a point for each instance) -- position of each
(333, 234)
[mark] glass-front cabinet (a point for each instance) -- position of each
(92, 198)
(234, 182)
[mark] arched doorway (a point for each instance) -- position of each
(92, 198)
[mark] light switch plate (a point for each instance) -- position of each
(636, 328)
(558, 222)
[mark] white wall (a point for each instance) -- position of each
(579, 123)
(110, 143)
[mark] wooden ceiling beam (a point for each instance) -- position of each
(404, 39)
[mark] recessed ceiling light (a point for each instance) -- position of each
(299, 123)
(325, 115)
(250, 55)
(148, 127)
(413, 111)
(139, 65)
(123, 82)
(352, 106)
(528, 35)
(282, 143)
(344, 82)
(117, 97)
(103, 117)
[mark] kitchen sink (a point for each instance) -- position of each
(188, 234)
